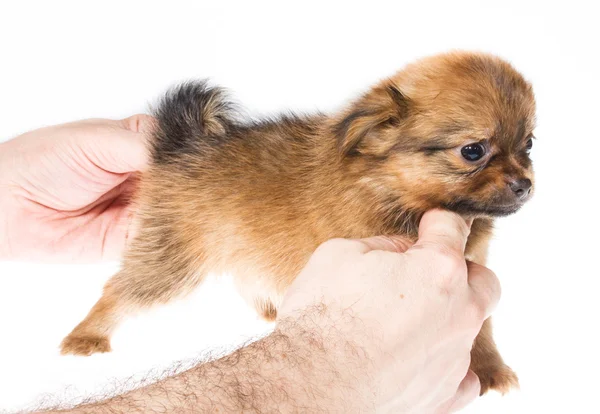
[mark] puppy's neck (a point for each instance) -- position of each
(347, 194)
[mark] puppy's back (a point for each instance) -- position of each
(234, 189)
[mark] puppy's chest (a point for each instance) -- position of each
(478, 241)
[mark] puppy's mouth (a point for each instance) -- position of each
(467, 207)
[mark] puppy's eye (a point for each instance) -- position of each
(473, 152)
(529, 145)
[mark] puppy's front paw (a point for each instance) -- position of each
(498, 378)
(84, 345)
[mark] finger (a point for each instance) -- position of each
(467, 392)
(443, 228)
(485, 287)
(395, 244)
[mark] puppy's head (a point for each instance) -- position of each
(451, 131)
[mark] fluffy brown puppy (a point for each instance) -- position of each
(256, 198)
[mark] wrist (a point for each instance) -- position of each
(335, 371)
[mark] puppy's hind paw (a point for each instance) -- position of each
(501, 379)
(84, 345)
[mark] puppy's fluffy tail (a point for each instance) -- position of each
(190, 115)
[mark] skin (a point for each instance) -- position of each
(351, 323)
(65, 190)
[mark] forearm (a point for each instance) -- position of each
(294, 369)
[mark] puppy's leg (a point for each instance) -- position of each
(486, 361)
(93, 333)
(150, 275)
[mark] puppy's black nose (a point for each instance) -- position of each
(521, 187)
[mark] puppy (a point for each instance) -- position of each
(256, 198)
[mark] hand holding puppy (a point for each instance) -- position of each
(65, 189)
(377, 294)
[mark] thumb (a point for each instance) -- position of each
(122, 146)
(135, 145)
(445, 229)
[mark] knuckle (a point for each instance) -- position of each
(488, 291)
(495, 289)
(485, 299)
(448, 262)
(476, 311)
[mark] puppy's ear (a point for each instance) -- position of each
(362, 127)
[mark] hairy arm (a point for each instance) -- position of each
(295, 369)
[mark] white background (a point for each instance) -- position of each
(64, 61)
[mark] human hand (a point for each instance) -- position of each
(401, 319)
(65, 190)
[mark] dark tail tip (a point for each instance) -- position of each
(188, 114)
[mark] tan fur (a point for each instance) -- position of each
(259, 201)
